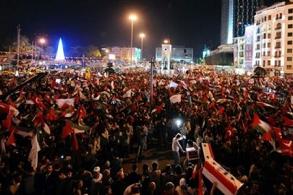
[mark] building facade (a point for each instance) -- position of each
(178, 55)
(239, 50)
(124, 54)
(244, 11)
(273, 44)
(236, 15)
(244, 48)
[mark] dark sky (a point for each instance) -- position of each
(190, 23)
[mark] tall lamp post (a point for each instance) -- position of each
(132, 18)
(42, 41)
(141, 36)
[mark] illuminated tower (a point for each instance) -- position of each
(244, 11)
(60, 52)
(227, 21)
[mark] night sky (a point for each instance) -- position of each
(189, 23)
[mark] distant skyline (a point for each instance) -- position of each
(190, 23)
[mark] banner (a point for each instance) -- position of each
(215, 173)
(226, 182)
(175, 99)
(207, 151)
(62, 102)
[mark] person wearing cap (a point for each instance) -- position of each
(96, 185)
(169, 189)
(181, 189)
(119, 184)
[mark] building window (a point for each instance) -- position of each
(269, 35)
(280, 16)
(263, 53)
(264, 35)
(278, 45)
(289, 58)
(278, 35)
(269, 62)
(269, 45)
(276, 54)
(289, 50)
(269, 17)
(279, 26)
(289, 66)
(290, 34)
(269, 53)
(257, 46)
(264, 45)
(290, 25)
(290, 18)
(289, 42)
(263, 62)
(290, 11)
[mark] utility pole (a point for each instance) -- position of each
(18, 43)
(152, 81)
(33, 51)
(131, 43)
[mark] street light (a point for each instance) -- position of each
(141, 36)
(42, 41)
(166, 41)
(132, 18)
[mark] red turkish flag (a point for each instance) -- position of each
(67, 130)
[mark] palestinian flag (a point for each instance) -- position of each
(260, 124)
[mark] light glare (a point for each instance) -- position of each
(42, 41)
(178, 122)
(132, 17)
(142, 35)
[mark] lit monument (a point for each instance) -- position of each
(166, 55)
(60, 52)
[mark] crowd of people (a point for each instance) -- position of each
(68, 132)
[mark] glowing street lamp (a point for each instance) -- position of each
(141, 36)
(42, 41)
(166, 41)
(132, 18)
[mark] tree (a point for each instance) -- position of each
(93, 51)
(25, 45)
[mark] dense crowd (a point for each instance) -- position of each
(68, 133)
